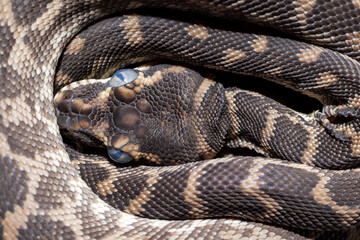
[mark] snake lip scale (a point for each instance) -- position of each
(305, 184)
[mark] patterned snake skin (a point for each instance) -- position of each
(42, 193)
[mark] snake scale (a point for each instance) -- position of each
(313, 195)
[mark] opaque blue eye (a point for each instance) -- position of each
(122, 77)
(119, 156)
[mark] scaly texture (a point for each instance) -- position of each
(43, 195)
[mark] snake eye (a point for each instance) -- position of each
(122, 77)
(119, 156)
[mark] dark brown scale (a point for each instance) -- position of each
(126, 118)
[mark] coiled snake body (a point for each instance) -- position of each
(42, 193)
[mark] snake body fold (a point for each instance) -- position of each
(42, 192)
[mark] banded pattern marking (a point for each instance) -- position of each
(42, 194)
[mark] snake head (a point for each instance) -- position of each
(164, 114)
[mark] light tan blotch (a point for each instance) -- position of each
(271, 120)
(106, 187)
(356, 3)
(303, 7)
(322, 195)
(259, 44)
(132, 30)
(203, 145)
(326, 79)
(201, 91)
(197, 31)
(134, 206)
(75, 46)
(251, 186)
(274, 71)
(353, 40)
(104, 95)
(356, 145)
(84, 121)
(309, 55)
(191, 193)
(153, 79)
(62, 78)
(232, 56)
(176, 69)
(231, 98)
(311, 147)
(355, 101)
